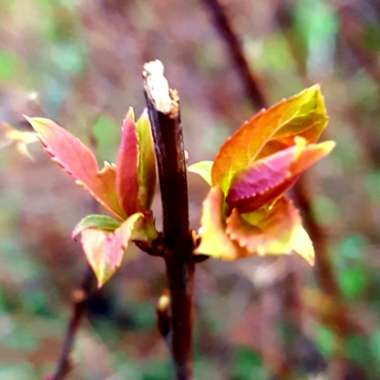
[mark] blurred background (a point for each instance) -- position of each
(79, 62)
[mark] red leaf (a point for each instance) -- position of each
(271, 176)
(78, 161)
(127, 166)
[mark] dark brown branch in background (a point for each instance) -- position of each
(164, 115)
(249, 79)
(80, 299)
(352, 31)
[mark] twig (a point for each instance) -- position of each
(249, 79)
(352, 31)
(80, 298)
(164, 115)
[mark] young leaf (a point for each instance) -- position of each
(271, 230)
(302, 244)
(100, 222)
(303, 114)
(214, 241)
(203, 169)
(78, 161)
(105, 249)
(146, 162)
(272, 175)
(127, 161)
(104, 252)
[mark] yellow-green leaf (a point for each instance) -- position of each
(146, 162)
(271, 230)
(203, 169)
(20, 139)
(214, 240)
(95, 221)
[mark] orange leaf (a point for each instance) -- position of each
(303, 114)
(214, 241)
(127, 166)
(271, 230)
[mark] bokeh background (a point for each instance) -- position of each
(79, 62)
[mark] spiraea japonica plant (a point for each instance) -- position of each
(245, 212)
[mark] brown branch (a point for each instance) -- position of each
(80, 298)
(164, 115)
(235, 50)
(352, 31)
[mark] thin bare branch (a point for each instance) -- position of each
(80, 299)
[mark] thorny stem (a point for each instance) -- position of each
(163, 109)
(80, 298)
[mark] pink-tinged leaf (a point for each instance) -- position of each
(310, 155)
(146, 162)
(127, 162)
(203, 169)
(104, 249)
(271, 176)
(266, 174)
(79, 162)
(274, 230)
(104, 252)
(214, 240)
(303, 114)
